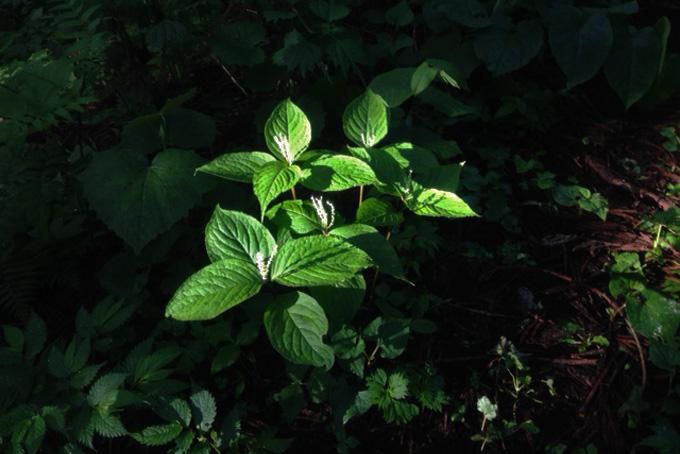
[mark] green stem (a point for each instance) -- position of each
(292, 191)
(658, 236)
(361, 194)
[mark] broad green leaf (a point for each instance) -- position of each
(437, 203)
(411, 157)
(337, 173)
(240, 166)
(658, 316)
(158, 435)
(287, 131)
(296, 324)
(317, 260)
(297, 215)
(272, 180)
(298, 53)
(635, 60)
(369, 240)
(341, 301)
(393, 86)
(214, 289)
(138, 201)
(580, 42)
(445, 177)
(378, 213)
(505, 47)
(423, 77)
(470, 13)
(488, 409)
(203, 409)
(235, 235)
(365, 119)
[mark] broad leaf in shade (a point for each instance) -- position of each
(394, 86)
(235, 235)
(287, 131)
(171, 128)
(317, 260)
(365, 119)
(580, 42)
(341, 301)
(423, 77)
(337, 173)
(296, 215)
(296, 324)
(273, 179)
(369, 240)
(214, 289)
(237, 43)
(658, 316)
(378, 213)
(437, 203)
(139, 200)
(505, 47)
(635, 60)
(239, 166)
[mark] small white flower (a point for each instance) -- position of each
(325, 211)
(367, 139)
(264, 264)
(284, 148)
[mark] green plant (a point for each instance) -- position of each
(315, 247)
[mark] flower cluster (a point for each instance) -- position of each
(284, 148)
(264, 264)
(325, 211)
(367, 139)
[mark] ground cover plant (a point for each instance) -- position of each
(340, 226)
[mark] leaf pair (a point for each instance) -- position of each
(245, 255)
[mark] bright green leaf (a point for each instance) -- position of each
(437, 203)
(235, 235)
(337, 173)
(317, 260)
(272, 180)
(214, 289)
(287, 131)
(378, 213)
(369, 240)
(365, 119)
(240, 166)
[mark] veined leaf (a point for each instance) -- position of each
(369, 240)
(204, 409)
(240, 166)
(214, 289)
(337, 173)
(273, 179)
(377, 213)
(296, 324)
(158, 435)
(138, 201)
(317, 260)
(287, 131)
(365, 119)
(437, 203)
(423, 77)
(657, 317)
(297, 215)
(235, 235)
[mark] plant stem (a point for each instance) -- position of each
(361, 194)
(292, 191)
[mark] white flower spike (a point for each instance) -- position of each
(325, 211)
(367, 139)
(264, 264)
(284, 148)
